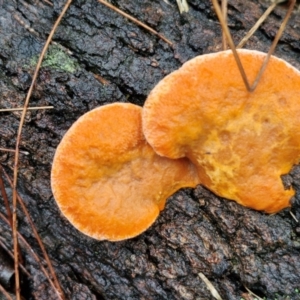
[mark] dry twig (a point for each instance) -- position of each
(136, 21)
(257, 24)
(5, 293)
(48, 2)
(224, 12)
(21, 108)
(183, 6)
(12, 150)
(294, 217)
(210, 287)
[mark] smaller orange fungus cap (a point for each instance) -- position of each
(107, 180)
(240, 141)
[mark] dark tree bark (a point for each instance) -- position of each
(100, 57)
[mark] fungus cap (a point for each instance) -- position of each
(240, 141)
(107, 180)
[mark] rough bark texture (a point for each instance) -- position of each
(115, 60)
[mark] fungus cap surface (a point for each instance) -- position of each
(240, 141)
(107, 180)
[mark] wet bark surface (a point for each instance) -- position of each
(100, 57)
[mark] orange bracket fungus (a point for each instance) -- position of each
(241, 142)
(107, 180)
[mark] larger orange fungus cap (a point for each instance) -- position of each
(240, 141)
(107, 180)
